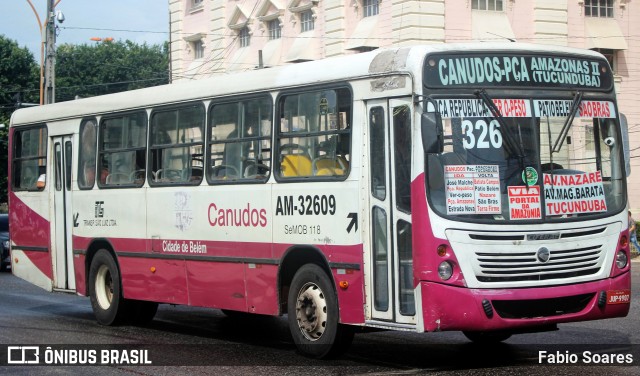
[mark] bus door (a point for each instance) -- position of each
(62, 254)
(390, 296)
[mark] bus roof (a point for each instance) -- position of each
(335, 69)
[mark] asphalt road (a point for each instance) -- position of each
(196, 341)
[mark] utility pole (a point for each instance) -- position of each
(50, 55)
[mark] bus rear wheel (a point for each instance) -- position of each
(314, 315)
(105, 290)
(487, 337)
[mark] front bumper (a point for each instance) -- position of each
(448, 307)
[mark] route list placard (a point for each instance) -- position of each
(472, 189)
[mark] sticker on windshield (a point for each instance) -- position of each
(562, 108)
(472, 189)
(574, 194)
(464, 108)
(524, 202)
(530, 176)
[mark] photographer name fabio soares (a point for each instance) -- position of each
(584, 357)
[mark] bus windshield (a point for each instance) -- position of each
(527, 159)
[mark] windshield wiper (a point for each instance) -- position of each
(504, 129)
(567, 123)
(517, 149)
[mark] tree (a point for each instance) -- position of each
(19, 81)
(108, 67)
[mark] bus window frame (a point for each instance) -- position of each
(101, 150)
(83, 123)
(208, 142)
(169, 108)
(14, 159)
(278, 134)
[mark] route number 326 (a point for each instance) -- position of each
(488, 135)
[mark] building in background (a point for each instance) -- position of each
(210, 37)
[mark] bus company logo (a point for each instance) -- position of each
(23, 355)
(99, 209)
(543, 255)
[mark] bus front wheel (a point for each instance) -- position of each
(105, 290)
(314, 315)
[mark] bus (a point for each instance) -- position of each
(470, 187)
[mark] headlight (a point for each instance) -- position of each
(621, 259)
(445, 270)
(5, 244)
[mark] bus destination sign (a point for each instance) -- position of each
(513, 70)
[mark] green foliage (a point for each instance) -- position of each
(81, 70)
(19, 75)
(108, 67)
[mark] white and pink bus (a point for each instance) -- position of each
(478, 188)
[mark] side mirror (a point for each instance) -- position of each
(624, 130)
(431, 128)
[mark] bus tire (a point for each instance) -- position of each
(105, 291)
(487, 337)
(314, 315)
(141, 312)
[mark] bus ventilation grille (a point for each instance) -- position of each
(524, 266)
(527, 309)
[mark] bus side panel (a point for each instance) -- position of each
(158, 280)
(28, 266)
(424, 242)
(217, 285)
(262, 293)
(346, 265)
(79, 262)
(351, 299)
(30, 230)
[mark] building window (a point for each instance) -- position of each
(307, 21)
(244, 37)
(487, 5)
(196, 5)
(610, 55)
(198, 49)
(275, 30)
(370, 7)
(598, 8)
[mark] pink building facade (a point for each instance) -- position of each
(211, 37)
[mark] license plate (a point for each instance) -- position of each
(618, 296)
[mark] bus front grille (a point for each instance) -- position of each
(526, 266)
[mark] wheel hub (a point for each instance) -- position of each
(311, 311)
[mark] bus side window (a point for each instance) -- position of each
(314, 136)
(177, 142)
(240, 141)
(122, 154)
(30, 158)
(87, 154)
